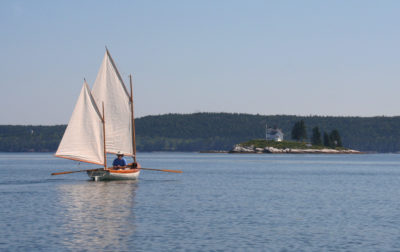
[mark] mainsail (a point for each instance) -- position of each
(110, 90)
(83, 138)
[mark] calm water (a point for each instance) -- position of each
(221, 202)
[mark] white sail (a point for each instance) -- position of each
(83, 139)
(110, 89)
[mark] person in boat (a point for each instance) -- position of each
(120, 161)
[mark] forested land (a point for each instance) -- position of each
(29, 138)
(219, 131)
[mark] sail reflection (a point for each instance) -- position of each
(99, 216)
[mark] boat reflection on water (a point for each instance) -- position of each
(99, 216)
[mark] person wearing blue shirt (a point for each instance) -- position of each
(120, 161)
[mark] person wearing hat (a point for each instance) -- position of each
(120, 161)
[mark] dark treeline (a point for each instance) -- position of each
(219, 131)
(17, 138)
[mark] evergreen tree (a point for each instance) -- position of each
(334, 136)
(295, 131)
(327, 140)
(299, 132)
(316, 137)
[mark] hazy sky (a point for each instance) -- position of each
(266, 57)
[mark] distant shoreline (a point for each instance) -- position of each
(260, 146)
(300, 151)
(217, 131)
(290, 151)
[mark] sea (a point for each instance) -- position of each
(221, 202)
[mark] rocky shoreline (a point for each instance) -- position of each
(251, 149)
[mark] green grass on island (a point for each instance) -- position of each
(260, 143)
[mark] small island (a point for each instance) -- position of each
(274, 143)
(269, 146)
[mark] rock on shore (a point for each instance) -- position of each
(251, 149)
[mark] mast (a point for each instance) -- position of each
(133, 122)
(104, 138)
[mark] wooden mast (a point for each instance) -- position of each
(104, 138)
(133, 122)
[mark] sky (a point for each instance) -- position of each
(327, 58)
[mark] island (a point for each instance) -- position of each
(289, 147)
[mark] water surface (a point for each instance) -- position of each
(221, 202)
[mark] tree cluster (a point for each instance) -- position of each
(332, 139)
(299, 132)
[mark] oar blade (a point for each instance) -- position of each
(176, 171)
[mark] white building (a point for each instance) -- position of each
(274, 134)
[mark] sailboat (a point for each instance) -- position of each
(93, 132)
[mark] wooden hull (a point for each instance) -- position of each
(110, 174)
(130, 174)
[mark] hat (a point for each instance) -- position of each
(119, 153)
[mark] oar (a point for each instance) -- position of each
(163, 170)
(151, 169)
(68, 172)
